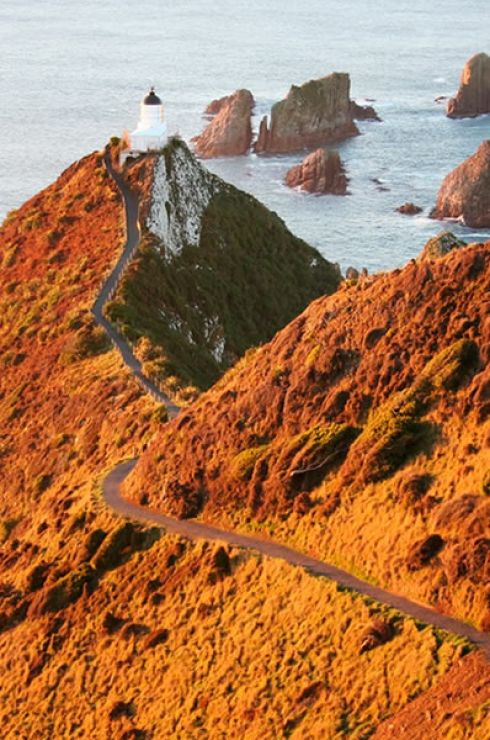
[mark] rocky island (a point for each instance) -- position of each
(229, 133)
(314, 114)
(473, 96)
(320, 172)
(465, 192)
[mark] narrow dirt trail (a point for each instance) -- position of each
(193, 529)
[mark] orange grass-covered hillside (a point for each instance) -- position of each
(110, 630)
(361, 433)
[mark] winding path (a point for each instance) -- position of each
(193, 529)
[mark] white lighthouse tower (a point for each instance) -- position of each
(151, 133)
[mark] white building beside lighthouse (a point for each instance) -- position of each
(151, 132)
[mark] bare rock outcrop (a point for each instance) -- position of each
(215, 106)
(465, 192)
(473, 96)
(363, 112)
(320, 172)
(229, 134)
(314, 114)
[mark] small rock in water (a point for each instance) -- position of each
(409, 209)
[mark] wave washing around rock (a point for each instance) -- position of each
(473, 96)
(320, 172)
(216, 274)
(465, 192)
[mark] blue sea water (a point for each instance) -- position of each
(72, 74)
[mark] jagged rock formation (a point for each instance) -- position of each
(223, 272)
(320, 172)
(465, 192)
(388, 378)
(229, 134)
(473, 96)
(363, 112)
(316, 113)
(216, 105)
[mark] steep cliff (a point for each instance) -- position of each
(217, 272)
(316, 113)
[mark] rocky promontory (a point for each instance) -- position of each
(320, 172)
(230, 132)
(314, 114)
(465, 192)
(473, 96)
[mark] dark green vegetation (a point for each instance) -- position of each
(203, 307)
(395, 431)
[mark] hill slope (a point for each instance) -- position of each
(108, 630)
(217, 272)
(360, 432)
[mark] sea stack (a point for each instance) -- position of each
(465, 192)
(320, 172)
(473, 96)
(314, 114)
(229, 134)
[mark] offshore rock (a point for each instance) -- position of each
(229, 134)
(319, 172)
(409, 209)
(473, 96)
(363, 112)
(317, 113)
(465, 192)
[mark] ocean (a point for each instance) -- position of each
(72, 74)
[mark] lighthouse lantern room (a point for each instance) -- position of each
(151, 132)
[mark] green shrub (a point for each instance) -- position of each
(67, 590)
(308, 456)
(243, 463)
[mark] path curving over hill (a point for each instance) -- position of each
(192, 529)
(133, 234)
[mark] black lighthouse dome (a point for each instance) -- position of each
(152, 98)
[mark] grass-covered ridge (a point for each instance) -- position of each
(242, 278)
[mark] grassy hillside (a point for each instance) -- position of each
(221, 274)
(361, 433)
(108, 630)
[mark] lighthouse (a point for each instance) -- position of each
(151, 132)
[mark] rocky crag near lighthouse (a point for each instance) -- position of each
(465, 192)
(216, 273)
(113, 630)
(473, 96)
(320, 172)
(230, 131)
(314, 114)
(366, 440)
